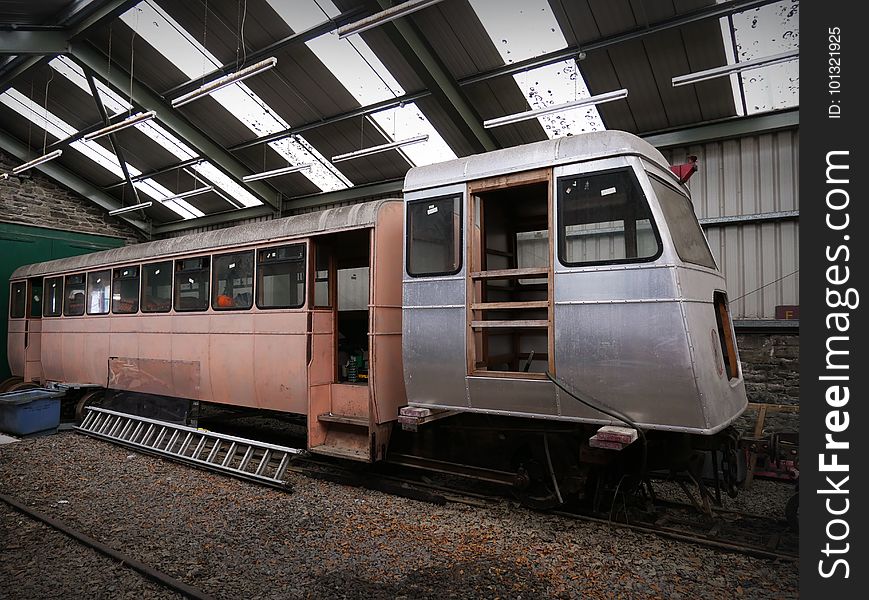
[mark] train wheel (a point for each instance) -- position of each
(21, 386)
(9, 382)
(91, 398)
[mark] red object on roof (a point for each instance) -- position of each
(685, 170)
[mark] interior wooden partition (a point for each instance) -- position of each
(478, 308)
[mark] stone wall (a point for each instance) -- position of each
(771, 368)
(34, 199)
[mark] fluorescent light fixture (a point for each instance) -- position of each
(381, 148)
(37, 161)
(194, 192)
(275, 173)
(128, 122)
(126, 209)
(754, 63)
(222, 82)
(385, 16)
(548, 110)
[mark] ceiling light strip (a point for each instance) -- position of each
(754, 63)
(195, 192)
(385, 16)
(222, 82)
(275, 173)
(126, 209)
(381, 148)
(128, 122)
(37, 161)
(555, 108)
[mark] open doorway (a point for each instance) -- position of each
(341, 282)
(511, 277)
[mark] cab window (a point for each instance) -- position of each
(604, 218)
(434, 236)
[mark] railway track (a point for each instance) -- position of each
(730, 530)
(139, 567)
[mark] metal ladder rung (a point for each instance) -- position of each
(246, 458)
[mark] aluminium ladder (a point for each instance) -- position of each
(248, 459)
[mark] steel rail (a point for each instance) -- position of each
(147, 571)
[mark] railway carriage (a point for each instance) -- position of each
(577, 260)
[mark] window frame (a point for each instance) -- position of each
(12, 287)
(460, 241)
(175, 273)
(84, 282)
(253, 275)
(88, 289)
(687, 199)
(257, 269)
(560, 227)
(138, 299)
(45, 305)
(142, 267)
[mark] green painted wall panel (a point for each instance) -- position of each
(23, 245)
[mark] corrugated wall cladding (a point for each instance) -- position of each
(743, 177)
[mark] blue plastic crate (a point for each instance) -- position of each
(29, 411)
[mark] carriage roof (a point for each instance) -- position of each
(563, 150)
(325, 221)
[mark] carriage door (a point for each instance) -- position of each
(510, 276)
(33, 346)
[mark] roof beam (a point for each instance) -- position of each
(33, 42)
(253, 57)
(70, 180)
(416, 50)
(710, 12)
(726, 129)
(214, 219)
(119, 78)
(87, 17)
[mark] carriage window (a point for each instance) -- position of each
(53, 292)
(18, 300)
(125, 299)
(191, 284)
(157, 287)
(99, 292)
(604, 218)
(281, 277)
(233, 281)
(434, 236)
(73, 301)
(684, 228)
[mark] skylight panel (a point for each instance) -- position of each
(521, 30)
(362, 73)
(115, 104)
(761, 32)
(166, 36)
(60, 129)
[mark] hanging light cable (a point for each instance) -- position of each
(222, 82)
(128, 122)
(381, 148)
(548, 110)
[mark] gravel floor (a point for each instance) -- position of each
(237, 540)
